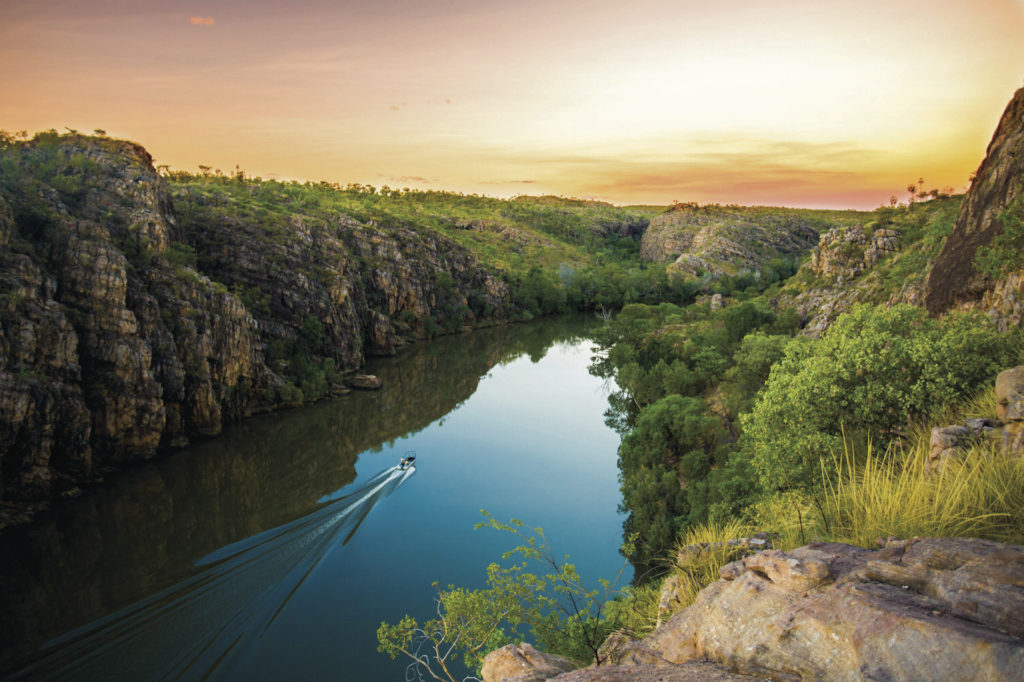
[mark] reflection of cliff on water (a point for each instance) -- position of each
(214, 617)
(145, 530)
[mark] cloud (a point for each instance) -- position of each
(726, 170)
(201, 21)
(408, 178)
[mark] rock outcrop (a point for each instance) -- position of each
(522, 663)
(1004, 431)
(954, 280)
(843, 253)
(126, 328)
(917, 609)
(721, 239)
(921, 609)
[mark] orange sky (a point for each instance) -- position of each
(791, 102)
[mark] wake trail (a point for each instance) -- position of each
(202, 624)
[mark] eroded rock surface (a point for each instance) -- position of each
(720, 239)
(522, 663)
(919, 609)
(687, 672)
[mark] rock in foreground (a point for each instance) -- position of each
(922, 609)
(522, 663)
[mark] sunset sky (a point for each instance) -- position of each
(785, 102)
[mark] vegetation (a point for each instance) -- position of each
(725, 416)
(1004, 254)
(561, 613)
(874, 372)
(511, 235)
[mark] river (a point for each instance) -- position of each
(274, 551)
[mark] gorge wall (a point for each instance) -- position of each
(116, 341)
(954, 280)
(721, 239)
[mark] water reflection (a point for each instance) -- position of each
(200, 625)
(135, 546)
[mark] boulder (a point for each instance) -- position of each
(946, 442)
(918, 609)
(366, 382)
(1010, 394)
(522, 663)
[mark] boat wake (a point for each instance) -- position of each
(197, 627)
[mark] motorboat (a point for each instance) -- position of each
(407, 460)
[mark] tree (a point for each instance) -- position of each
(667, 450)
(562, 614)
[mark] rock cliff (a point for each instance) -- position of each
(126, 328)
(722, 239)
(954, 280)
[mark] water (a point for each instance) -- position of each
(275, 551)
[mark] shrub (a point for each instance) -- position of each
(875, 371)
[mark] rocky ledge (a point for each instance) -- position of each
(920, 609)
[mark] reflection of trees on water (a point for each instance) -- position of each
(144, 531)
(203, 623)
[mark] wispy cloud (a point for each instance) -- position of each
(202, 21)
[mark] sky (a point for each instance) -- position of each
(776, 102)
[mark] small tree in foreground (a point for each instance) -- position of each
(564, 616)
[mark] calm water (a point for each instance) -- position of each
(274, 551)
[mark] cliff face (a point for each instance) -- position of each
(721, 239)
(124, 330)
(953, 279)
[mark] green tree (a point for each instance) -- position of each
(667, 449)
(875, 371)
(563, 615)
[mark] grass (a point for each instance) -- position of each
(874, 494)
(980, 495)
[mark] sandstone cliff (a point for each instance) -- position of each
(124, 329)
(954, 280)
(723, 239)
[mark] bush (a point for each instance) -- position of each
(875, 371)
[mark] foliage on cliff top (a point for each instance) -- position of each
(509, 234)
